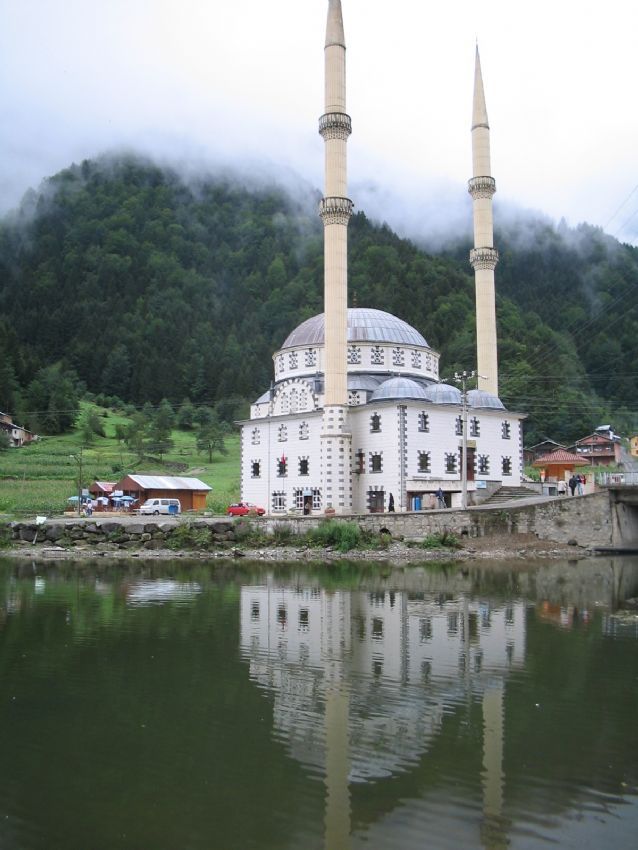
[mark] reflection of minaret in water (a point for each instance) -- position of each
(336, 209)
(483, 256)
(493, 826)
(337, 815)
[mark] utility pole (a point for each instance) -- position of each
(78, 459)
(462, 379)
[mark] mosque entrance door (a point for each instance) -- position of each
(470, 463)
(376, 501)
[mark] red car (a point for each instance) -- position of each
(244, 508)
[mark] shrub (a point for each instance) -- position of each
(441, 540)
(344, 536)
(185, 536)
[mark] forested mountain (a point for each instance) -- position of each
(146, 286)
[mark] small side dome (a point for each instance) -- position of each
(399, 388)
(482, 399)
(443, 394)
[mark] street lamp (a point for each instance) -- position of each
(78, 459)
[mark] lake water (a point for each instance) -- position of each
(192, 705)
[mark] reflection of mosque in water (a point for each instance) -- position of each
(303, 643)
(361, 681)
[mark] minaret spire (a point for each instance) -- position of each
(483, 257)
(335, 210)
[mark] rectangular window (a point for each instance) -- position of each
(304, 466)
(278, 501)
(507, 466)
(316, 500)
(475, 427)
(483, 465)
(282, 467)
(375, 422)
(376, 463)
(255, 469)
(359, 465)
(450, 461)
(424, 461)
(459, 426)
(507, 431)
(298, 497)
(424, 422)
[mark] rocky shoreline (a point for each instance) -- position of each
(215, 540)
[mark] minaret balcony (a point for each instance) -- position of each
(335, 125)
(483, 258)
(335, 210)
(481, 187)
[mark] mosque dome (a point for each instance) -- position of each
(364, 325)
(399, 388)
(443, 394)
(482, 399)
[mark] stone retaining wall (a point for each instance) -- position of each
(586, 520)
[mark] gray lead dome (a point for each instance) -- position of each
(399, 388)
(364, 325)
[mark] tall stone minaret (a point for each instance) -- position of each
(335, 210)
(484, 256)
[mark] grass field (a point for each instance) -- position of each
(39, 478)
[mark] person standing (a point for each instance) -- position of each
(572, 484)
(391, 504)
(579, 485)
(440, 498)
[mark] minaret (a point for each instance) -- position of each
(483, 257)
(335, 210)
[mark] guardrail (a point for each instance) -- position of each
(611, 479)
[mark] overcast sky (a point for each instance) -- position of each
(206, 82)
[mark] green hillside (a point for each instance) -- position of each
(40, 477)
(143, 287)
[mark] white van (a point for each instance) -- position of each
(161, 506)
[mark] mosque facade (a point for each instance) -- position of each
(357, 419)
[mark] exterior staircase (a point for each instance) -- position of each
(509, 494)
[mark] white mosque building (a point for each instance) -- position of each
(357, 419)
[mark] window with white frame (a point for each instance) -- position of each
(255, 467)
(475, 427)
(354, 398)
(304, 431)
(375, 422)
(507, 431)
(311, 357)
(451, 460)
(458, 426)
(298, 497)
(424, 462)
(293, 360)
(282, 433)
(316, 499)
(376, 355)
(424, 422)
(354, 354)
(294, 401)
(416, 359)
(304, 466)
(376, 462)
(278, 501)
(282, 466)
(483, 464)
(507, 466)
(256, 437)
(398, 357)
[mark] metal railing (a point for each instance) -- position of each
(612, 479)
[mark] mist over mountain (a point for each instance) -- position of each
(146, 283)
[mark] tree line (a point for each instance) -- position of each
(120, 279)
